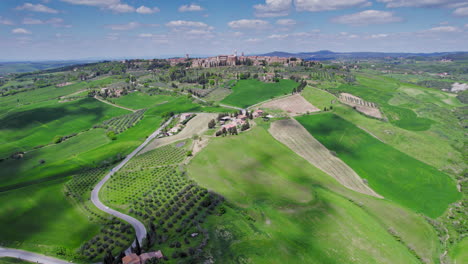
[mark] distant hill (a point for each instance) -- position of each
(330, 55)
(27, 66)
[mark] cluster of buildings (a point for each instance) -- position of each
(228, 122)
(233, 60)
(141, 259)
(183, 119)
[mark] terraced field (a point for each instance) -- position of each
(298, 139)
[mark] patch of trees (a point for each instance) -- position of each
(300, 87)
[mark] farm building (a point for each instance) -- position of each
(135, 259)
(185, 116)
(242, 117)
(257, 113)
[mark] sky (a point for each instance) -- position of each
(109, 29)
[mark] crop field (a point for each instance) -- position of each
(23, 130)
(121, 123)
(294, 105)
(114, 234)
(282, 201)
(249, 92)
(381, 92)
(294, 136)
(367, 108)
(196, 126)
(319, 98)
(154, 189)
(412, 183)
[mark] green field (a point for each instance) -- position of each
(23, 130)
(391, 173)
(249, 92)
(459, 253)
(284, 210)
(41, 219)
(138, 100)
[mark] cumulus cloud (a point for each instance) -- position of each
(248, 24)
(328, 5)
(5, 21)
(367, 17)
(376, 36)
(147, 10)
(37, 8)
(443, 29)
(461, 11)
(186, 24)
(113, 5)
(273, 8)
(286, 22)
(422, 3)
(56, 22)
(190, 8)
(20, 31)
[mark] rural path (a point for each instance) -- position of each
(137, 225)
(109, 103)
(29, 256)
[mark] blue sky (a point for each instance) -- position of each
(78, 29)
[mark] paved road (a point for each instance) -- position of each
(137, 225)
(33, 257)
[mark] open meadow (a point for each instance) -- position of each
(249, 92)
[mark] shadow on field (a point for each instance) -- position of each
(24, 119)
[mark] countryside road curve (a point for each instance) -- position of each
(30, 256)
(140, 229)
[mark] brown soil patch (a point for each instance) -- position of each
(294, 105)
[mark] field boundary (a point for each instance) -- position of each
(109, 103)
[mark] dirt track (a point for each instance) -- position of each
(297, 138)
(197, 126)
(294, 105)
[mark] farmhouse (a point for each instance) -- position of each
(257, 113)
(135, 259)
(185, 116)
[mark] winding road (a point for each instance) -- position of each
(137, 225)
(140, 229)
(29, 256)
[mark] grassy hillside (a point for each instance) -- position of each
(391, 173)
(249, 92)
(138, 100)
(23, 130)
(13, 261)
(283, 210)
(41, 219)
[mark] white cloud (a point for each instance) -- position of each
(190, 8)
(328, 5)
(113, 5)
(376, 36)
(248, 24)
(20, 31)
(147, 10)
(367, 17)
(278, 36)
(443, 29)
(273, 8)
(128, 26)
(37, 8)
(5, 21)
(421, 3)
(466, 25)
(56, 22)
(286, 22)
(253, 40)
(121, 8)
(183, 23)
(461, 11)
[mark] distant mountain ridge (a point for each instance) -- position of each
(330, 55)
